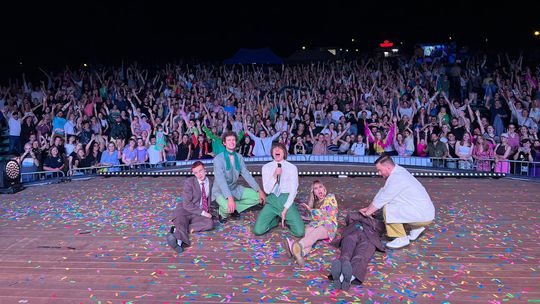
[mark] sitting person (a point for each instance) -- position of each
(280, 182)
(323, 209)
(358, 243)
(404, 201)
(192, 214)
(232, 197)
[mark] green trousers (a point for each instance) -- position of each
(249, 198)
(270, 216)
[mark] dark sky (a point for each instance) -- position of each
(104, 31)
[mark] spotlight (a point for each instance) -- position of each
(10, 177)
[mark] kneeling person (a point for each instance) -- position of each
(404, 201)
(192, 215)
(280, 181)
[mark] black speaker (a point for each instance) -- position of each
(10, 177)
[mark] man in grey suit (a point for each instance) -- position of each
(192, 214)
(229, 195)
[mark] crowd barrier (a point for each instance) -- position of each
(509, 167)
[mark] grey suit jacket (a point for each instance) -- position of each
(191, 197)
(226, 182)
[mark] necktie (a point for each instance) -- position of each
(277, 188)
(204, 198)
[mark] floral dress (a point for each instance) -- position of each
(326, 216)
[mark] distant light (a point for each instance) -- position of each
(537, 33)
(85, 65)
(401, 42)
(20, 62)
(356, 50)
(395, 50)
(352, 40)
(386, 44)
(346, 50)
(341, 50)
(303, 48)
(486, 40)
(386, 54)
(450, 38)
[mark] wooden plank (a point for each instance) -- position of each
(92, 241)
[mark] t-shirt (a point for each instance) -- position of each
(58, 123)
(54, 162)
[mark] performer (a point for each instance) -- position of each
(358, 243)
(323, 209)
(280, 181)
(192, 213)
(404, 201)
(231, 197)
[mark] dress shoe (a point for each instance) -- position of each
(416, 233)
(398, 243)
(346, 270)
(222, 219)
(336, 273)
(235, 215)
(172, 241)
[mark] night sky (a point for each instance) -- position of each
(52, 32)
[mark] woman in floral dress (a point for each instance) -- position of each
(323, 209)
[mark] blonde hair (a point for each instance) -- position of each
(313, 201)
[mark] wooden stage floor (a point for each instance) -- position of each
(103, 241)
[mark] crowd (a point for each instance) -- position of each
(477, 114)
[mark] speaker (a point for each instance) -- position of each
(10, 177)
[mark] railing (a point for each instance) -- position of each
(41, 176)
(511, 167)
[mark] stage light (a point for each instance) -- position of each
(85, 65)
(303, 48)
(537, 33)
(352, 40)
(10, 177)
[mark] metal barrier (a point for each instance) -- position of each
(41, 176)
(509, 167)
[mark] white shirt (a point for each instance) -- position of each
(69, 128)
(262, 145)
(14, 126)
(154, 155)
(406, 200)
(358, 149)
(288, 180)
(336, 115)
(206, 190)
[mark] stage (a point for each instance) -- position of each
(103, 241)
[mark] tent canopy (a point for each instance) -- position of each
(250, 56)
(310, 56)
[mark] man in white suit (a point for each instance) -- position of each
(404, 201)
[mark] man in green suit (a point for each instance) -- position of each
(231, 197)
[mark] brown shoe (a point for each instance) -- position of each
(297, 253)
